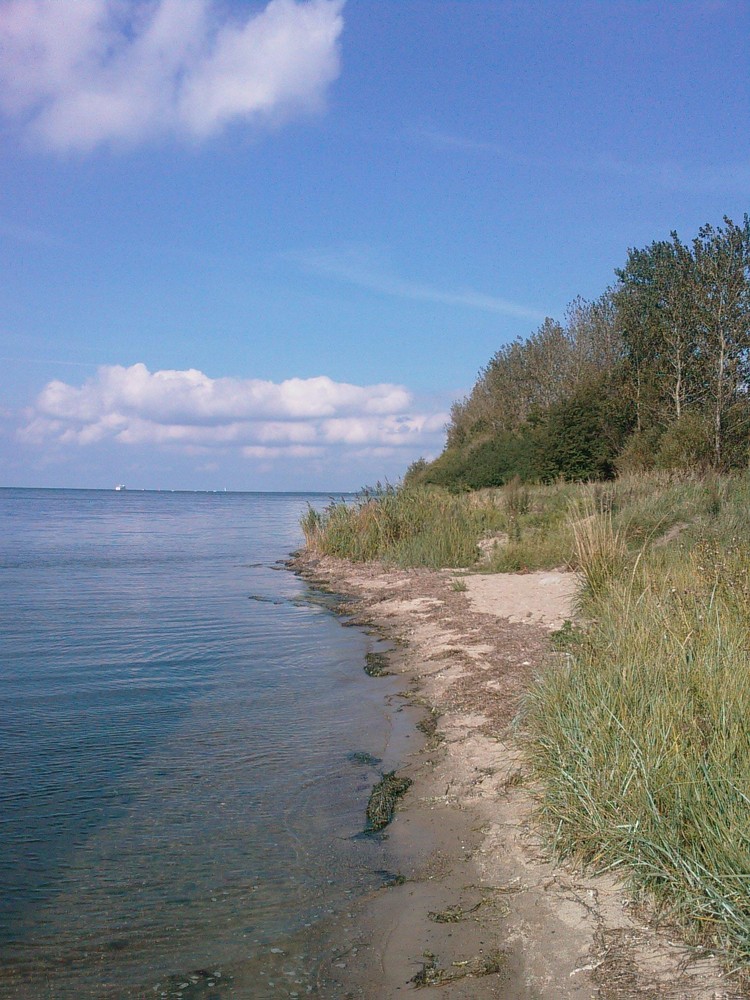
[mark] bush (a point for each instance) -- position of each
(638, 453)
(583, 435)
(686, 444)
(487, 463)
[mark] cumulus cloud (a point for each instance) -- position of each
(89, 72)
(188, 411)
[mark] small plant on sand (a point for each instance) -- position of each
(567, 638)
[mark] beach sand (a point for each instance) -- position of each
(483, 910)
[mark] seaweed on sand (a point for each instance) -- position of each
(383, 800)
(428, 725)
(376, 665)
(363, 757)
(432, 974)
(453, 914)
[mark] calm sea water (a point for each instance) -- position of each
(178, 801)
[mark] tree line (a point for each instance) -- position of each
(653, 374)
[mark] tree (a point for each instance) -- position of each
(654, 372)
(522, 377)
(636, 301)
(593, 330)
(655, 306)
(721, 296)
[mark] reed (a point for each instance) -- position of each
(407, 527)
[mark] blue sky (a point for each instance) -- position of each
(266, 245)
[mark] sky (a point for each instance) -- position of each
(265, 245)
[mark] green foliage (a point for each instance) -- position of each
(653, 374)
(736, 434)
(414, 472)
(686, 444)
(583, 435)
(489, 462)
(639, 451)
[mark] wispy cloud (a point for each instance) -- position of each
(92, 72)
(55, 362)
(190, 412)
(670, 175)
(356, 266)
(29, 235)
(440, 139)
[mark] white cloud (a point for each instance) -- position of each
(188, 411)
(82, 73)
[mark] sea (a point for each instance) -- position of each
(188, 740)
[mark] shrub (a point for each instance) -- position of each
(686, 444)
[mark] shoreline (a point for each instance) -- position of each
(480, 909)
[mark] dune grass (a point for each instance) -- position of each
(642, 742)
(424, 526)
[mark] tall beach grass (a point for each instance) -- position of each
(642, 742)
(405, 527)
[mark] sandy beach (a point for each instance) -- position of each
(479, 909)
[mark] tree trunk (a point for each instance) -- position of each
(719, 408)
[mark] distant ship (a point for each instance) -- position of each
(120, 486)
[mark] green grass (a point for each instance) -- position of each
(423, 526)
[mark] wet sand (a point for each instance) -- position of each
(480, 909)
